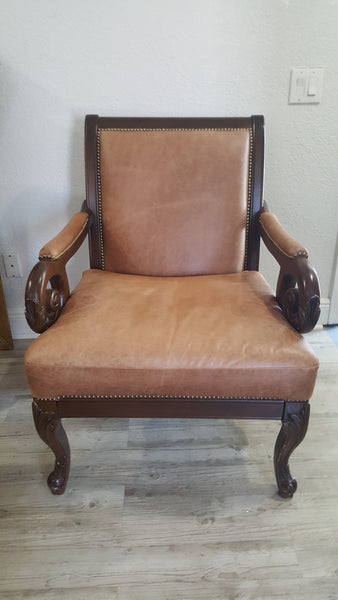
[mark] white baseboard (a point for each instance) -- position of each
(324, 311)
(22, 331)
(19, 326)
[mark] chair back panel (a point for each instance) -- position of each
(174, 200)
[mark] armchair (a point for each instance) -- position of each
(173, 318)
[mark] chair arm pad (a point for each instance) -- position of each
(277, 239)
(47, 288)
(297, 288)
(64, 240)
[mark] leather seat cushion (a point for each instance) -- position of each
(212, 335)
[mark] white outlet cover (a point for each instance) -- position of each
(12, 265)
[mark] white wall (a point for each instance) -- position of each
(61, 60)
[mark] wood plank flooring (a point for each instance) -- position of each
(166, 509)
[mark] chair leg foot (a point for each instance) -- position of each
(50, 430)
(293, 430)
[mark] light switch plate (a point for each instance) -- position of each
(306, 85)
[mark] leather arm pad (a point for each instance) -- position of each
(69, 235)
(298, 288)
(277, 239)
(44, 302)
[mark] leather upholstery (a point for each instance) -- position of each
(218, 335)
(174, 202)
(69, 234)
(284, 242)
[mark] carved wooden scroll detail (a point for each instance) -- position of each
(293, 430)
(301, 317)
(300, 302)
(42, 312)
(298, 291)
(47, 288)
(51, 431)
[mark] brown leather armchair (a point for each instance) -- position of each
(173, 318)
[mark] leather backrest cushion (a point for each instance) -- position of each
(174, 201)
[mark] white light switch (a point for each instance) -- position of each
(312, 87)
(306, 85)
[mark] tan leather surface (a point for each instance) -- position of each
(61, 242)
(280, 237)
(221, 335)
(174, 202)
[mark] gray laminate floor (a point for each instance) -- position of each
(168, 510)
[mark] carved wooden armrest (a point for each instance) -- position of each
(44, 304)
(298, 288)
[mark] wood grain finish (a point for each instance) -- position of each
(182, 408)
(51, 431)
(48, 414)
(298, 294)
(257, 181)
(92, 201)
(170, 509)
(294, 426)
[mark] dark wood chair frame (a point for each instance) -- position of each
(297, 293)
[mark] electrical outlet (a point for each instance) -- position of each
(12, 265)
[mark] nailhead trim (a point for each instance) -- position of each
(168, 129)
(99, 196)
(123, 396)
(151, 397)
(148, 129)
(249, 203)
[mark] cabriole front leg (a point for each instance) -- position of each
(50, 430)
(293, 430)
